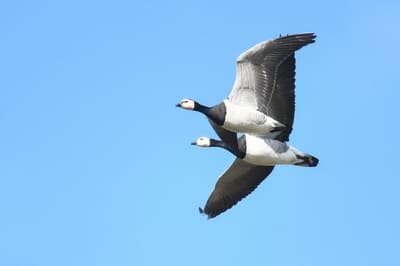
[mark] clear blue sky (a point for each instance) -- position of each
(95, 162)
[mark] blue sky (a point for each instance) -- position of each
(95, 162)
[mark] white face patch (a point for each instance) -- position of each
(187, 104)
(203, 142)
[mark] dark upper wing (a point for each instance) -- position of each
(282, 102)
(239, 180)
(258, 73)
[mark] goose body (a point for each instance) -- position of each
(245, 119)
(261, 101)
(262, 151)
(266, 151)
(235, 118)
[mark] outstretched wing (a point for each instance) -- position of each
(238, 181)
(265, 76)
(281, 105)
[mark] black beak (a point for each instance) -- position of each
(178, 105)
(194, 143)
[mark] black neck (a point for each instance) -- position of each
(201, 108)
(215, 113)
(234, 150)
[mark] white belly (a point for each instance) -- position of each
(268, 152)
(247, 120)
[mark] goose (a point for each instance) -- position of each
(261, 101)
(255, 160)
(261, 151)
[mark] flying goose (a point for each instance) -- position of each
(261, 151)
(255, 160)
(261, 101)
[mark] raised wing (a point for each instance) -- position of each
(265, 74)
(281, 105)
(238, 181)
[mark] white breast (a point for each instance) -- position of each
(261, 151)
(248, 120)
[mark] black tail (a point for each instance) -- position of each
(307, 160)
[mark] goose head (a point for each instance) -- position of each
(202, 142)
(186, 104)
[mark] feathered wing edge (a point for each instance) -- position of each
(265, 77)
(238, 181)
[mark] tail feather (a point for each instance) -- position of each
(307, 160)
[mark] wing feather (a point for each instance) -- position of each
(238, 181)
(265, 76)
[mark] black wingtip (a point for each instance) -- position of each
(204, 213)
(310, 36)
